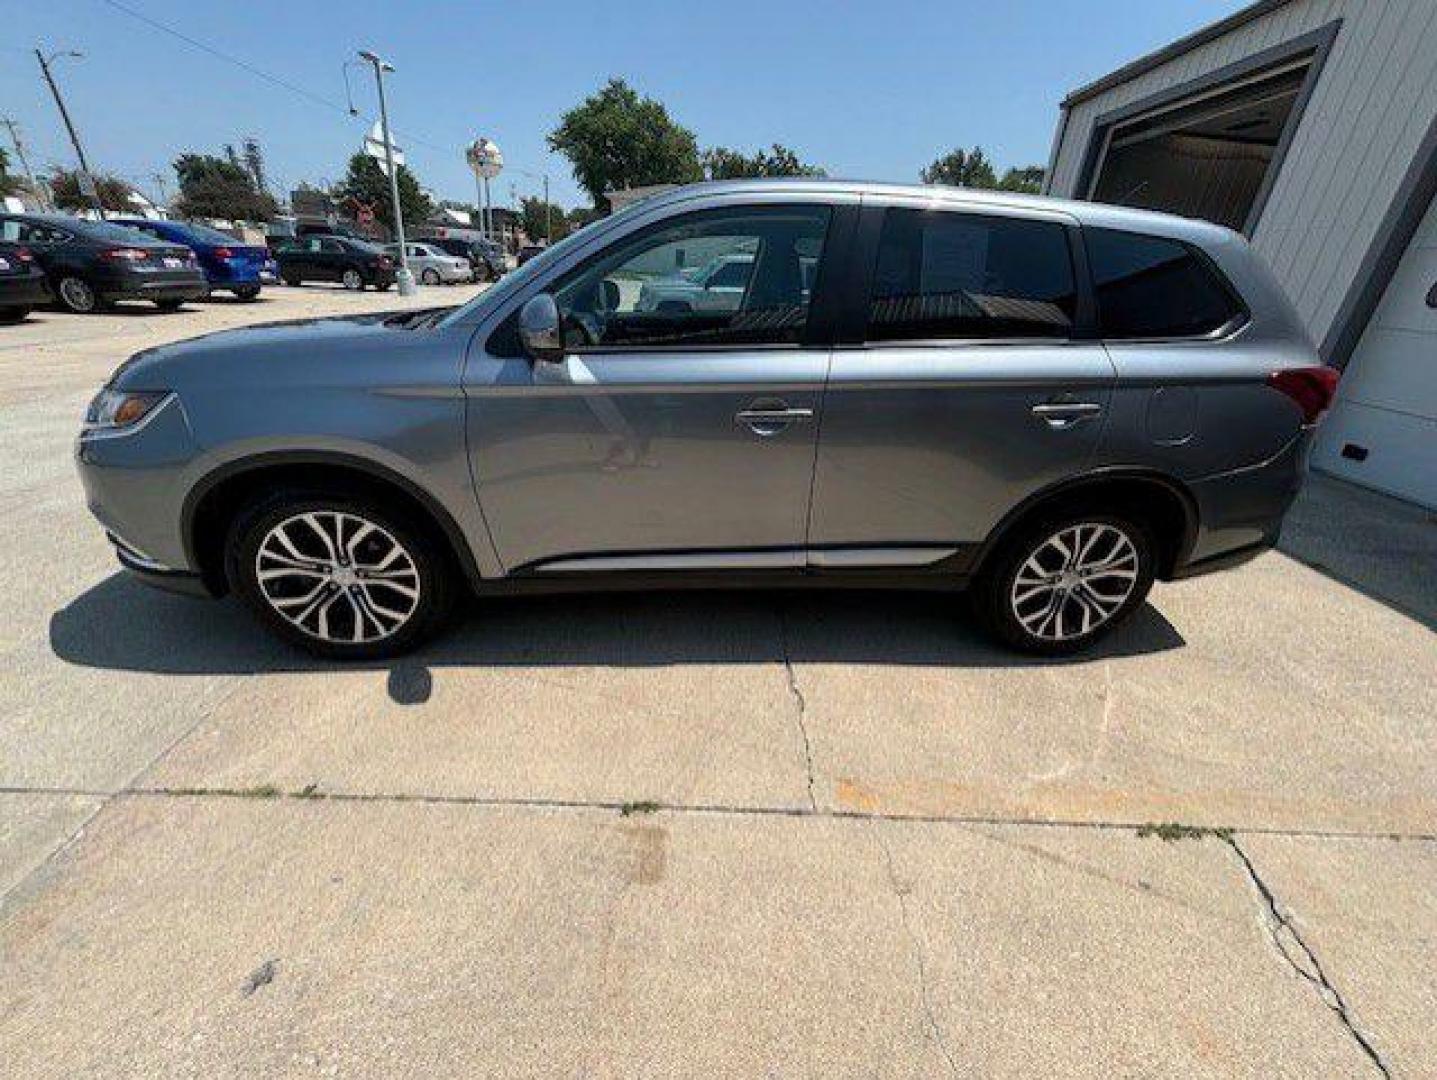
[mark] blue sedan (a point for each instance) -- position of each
(228, 265)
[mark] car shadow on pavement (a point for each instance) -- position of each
(1383, 547)
(122, 625)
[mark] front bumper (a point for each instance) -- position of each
(135, 484)
(144, 569)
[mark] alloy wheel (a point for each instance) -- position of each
(1074, 581)
(77, 295)
(352, 280)
(338, 577)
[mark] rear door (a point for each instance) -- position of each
(674, 439)
(971, 379)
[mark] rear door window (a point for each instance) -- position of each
(947, 275)
(1153, 288)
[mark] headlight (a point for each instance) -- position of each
(114, 410)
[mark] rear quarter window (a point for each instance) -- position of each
(1151, 287)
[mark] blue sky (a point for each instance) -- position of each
(873, 91)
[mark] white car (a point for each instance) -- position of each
(717, 286)
(432, 266)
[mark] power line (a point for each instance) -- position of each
(284, 84)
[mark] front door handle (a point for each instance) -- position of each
(1065, 414)
(770, 419)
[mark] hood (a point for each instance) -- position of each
(272, 352)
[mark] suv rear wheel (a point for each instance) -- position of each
(344, 577)
(1063, 582)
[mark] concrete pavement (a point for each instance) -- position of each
(858, 839)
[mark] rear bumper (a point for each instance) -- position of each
(24, 291)
(1240, 513)
(189, 286)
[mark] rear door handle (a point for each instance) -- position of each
(1066, 414)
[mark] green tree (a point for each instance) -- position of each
(537, 221)
(960, 168)
(8, 184)
(368, 183)
(721, 163)
(213, 187)
(616, 139)
(1027, 179)
(114, 192)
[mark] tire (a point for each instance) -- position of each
(78, 296)
(294, 282)
(169, 305)
(392, 614)
(352, 279)
(430, 276)
(1030, 601)
(383, 286)
(13, 314)
(247, 292)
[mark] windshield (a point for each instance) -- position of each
(518, 279)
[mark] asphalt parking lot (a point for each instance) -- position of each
(753, 834)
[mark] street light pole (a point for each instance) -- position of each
(548, 213)
(69, 124)
(404, 278)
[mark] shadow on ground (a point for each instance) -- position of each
(1382, 547)
(123, 625)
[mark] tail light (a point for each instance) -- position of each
(24, 255)
(383, 262)
(126, 254)
(223, 253)
(1311, 389)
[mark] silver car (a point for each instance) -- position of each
(1050, 404)
(432, 265)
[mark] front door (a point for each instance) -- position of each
(974, 385)
(672, 435)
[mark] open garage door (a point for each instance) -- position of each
(1210, 155)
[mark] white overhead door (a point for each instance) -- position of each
(1383, 429)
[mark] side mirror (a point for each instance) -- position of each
(539, 329)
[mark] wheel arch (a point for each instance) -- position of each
(214, 502)
(1164, 503)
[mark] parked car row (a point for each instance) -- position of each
(86, 265)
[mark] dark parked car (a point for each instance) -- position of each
(228, 264)
(486, 257)
(90, 264)
(335, 258)
(528, 251)
(22, 283)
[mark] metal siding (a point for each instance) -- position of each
(1367, 116)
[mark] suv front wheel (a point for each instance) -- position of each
(1059, 584)
(346, 578)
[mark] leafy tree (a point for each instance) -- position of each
(721, 163)
(1027, 179)
(114, 192)
(213, 187)
(960, 168)
(616, 139)
(537, 222)
(368, 183)
(8, 184)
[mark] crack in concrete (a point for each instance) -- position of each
(925, 992)
(799, 700)
(1301, 957)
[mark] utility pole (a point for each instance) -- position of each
(548, 213)
(40, 193)
(86, 177)
(404, 277)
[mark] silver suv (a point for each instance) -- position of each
(1049, 403)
